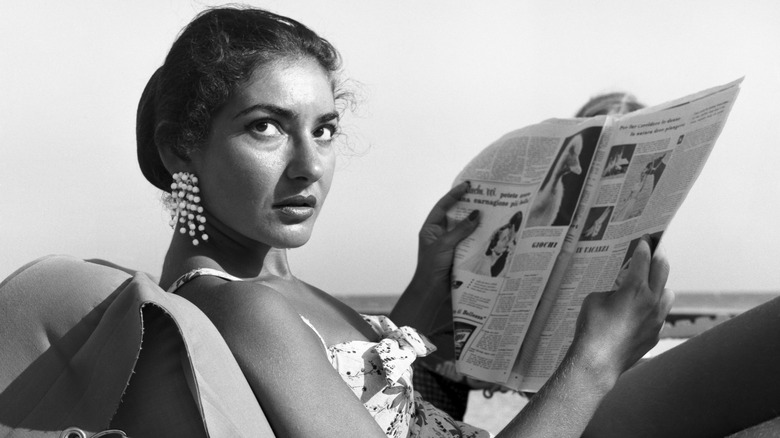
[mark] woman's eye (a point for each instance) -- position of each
(325, 133)
(265, 128)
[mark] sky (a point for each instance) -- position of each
(437, 81)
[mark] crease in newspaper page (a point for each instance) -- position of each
(530, 185)
(553, 293)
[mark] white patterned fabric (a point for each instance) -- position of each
(380, 374)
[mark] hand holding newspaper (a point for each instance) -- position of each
(563, 204)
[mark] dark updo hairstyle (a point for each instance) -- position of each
(214, 54)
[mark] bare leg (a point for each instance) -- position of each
(720, 382)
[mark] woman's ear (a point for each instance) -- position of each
(173, 160)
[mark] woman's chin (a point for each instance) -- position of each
(294, 244)
(290, 240)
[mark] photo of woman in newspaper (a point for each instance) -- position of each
(619, 159)
(655, 169)
(636, 198)
(498, 250)
(557, 197)
(596, 223)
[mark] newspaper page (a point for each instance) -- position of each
(527, 186)
(653, 158)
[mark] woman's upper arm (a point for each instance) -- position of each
(287, 366)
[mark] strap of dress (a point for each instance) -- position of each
(311, 326)
(181, 281)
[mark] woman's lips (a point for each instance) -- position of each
(298, 208)
(299, 213)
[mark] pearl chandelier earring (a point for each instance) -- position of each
(185, 207)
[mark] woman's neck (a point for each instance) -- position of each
(226, 255)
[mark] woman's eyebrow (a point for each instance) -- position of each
(283, 112)
(273, 109)
(327, 117)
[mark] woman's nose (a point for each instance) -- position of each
(306, 161)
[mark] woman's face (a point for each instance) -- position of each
(267, 165)
(502, 244)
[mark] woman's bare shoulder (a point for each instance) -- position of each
(282, 358)
(235, 306)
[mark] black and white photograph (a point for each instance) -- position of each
(234, 219)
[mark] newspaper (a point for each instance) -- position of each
(563, 204)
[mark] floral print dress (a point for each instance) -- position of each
(380, 374)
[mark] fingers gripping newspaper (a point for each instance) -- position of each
(563, 204)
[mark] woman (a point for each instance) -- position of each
(240, 121)
(492, 261)
(238, 126)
